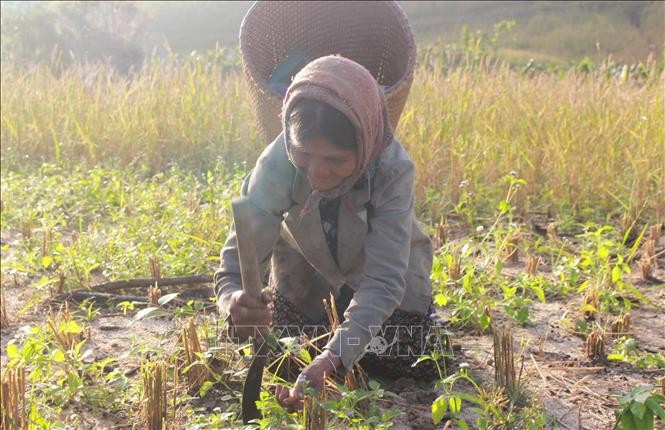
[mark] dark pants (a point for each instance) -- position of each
(403, 338)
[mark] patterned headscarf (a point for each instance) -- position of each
(351, 89)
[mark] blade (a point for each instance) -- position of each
(252, 389)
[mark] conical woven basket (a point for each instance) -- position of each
(375, 34)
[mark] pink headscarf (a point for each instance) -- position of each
(351, 89)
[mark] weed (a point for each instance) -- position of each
(628, 352)
(640, 407)
(65, 329)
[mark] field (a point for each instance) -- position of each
(544, 193)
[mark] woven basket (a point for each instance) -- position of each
(375, 34)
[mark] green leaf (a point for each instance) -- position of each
(455, 404)
(46, 261)
(508, 292)
(523, 314)
(484, 321)
(12, 351)
(645, 422)
(469, 398)
(653, 403)
(463, 425)
(589, 308)
(43, 281)
(207, 385)
(538, 291)
(441, 299)
(603, 252)
(638, 409)
(70, 327)
(627, 421)
(58, 356)
(615, 357)
(149, 312)
(305, 355)
(616, 274)
(641, 394)
(421, 359)
(439, 409)
(167, 298)
(373, 385)
(73, 381)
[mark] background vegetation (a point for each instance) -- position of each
(125, 32)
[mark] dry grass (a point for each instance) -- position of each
(154, 294)
(579, 141)
(583, 143)
(532, 263)
(620, 325)
(314, 413)
(197, 372)
(154, 398)
(504, 363)
(511, 250)
(595, 344)
(155, 268)
(13, 400)
(441, 233)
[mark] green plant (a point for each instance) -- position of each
(639, 409)
(493, 407)
(627, 351)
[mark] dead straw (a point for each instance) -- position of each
(595, 344)
(155, 268)
(314, 414)
(532, 263)
(154, 293)
(512, 247)
(196, 372)
(504, 363)
(153, 402)
(12, 399)
(620, 325)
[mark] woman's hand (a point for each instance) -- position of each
(323, 365)
(249, 314)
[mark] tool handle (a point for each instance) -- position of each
(245, 242)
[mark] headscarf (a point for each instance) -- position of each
(351, 89)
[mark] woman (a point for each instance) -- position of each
(333, 209)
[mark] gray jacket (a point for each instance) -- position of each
(383, 254)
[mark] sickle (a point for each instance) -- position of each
(251, 284)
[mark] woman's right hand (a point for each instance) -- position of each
(249, 314)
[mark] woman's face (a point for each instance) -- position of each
(325, 164)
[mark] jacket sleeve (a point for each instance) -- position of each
(381, 287)
(268, 188)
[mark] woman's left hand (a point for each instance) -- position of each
(315, 373)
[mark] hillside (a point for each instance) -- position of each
(629, 31)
